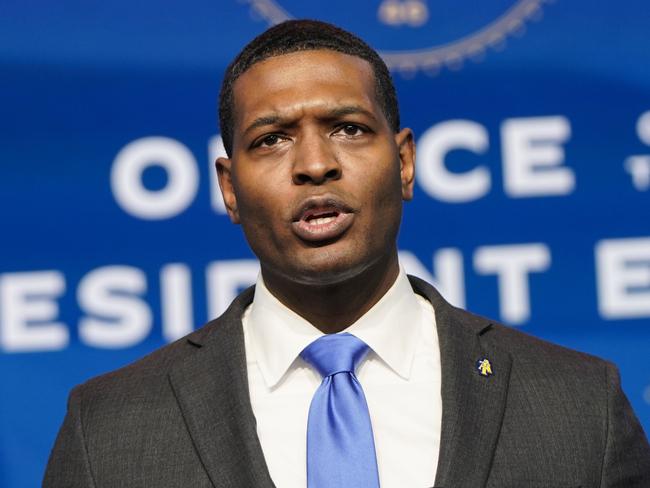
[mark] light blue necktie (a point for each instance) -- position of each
(340, 446)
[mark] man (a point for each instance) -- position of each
(316, 173)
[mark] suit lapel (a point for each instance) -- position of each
(472, 405)
(211, 387)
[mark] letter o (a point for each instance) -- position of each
(182, 178)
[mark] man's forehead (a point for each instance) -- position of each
(298, 80)
(320, 55)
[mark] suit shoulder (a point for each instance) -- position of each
(149, 375)
(522, 345)
(150, 368)
(527, 349)
(524, 348)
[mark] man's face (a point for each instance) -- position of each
(317, 176)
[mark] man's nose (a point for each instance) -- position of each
(315, 161)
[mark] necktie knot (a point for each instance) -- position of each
(335, 353)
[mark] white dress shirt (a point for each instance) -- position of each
(400, 377)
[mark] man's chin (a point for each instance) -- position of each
(330, 273)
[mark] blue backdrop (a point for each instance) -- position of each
(532, 204)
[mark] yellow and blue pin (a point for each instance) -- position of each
(484, 367)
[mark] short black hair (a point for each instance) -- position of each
(304, 35)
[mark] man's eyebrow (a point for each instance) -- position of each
(262, 121)
(333, 113)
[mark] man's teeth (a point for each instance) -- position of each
(321, 220)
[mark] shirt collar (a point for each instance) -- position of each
(390, 328)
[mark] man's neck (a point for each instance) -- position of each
(333, 307)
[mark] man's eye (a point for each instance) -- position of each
(269, 140)
(351, 130)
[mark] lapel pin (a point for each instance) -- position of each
(484, 367)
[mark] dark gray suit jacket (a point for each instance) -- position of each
(181, 417)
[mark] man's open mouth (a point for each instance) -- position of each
(322, 219)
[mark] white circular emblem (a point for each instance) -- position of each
(413, 35)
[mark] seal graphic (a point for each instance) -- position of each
(414, 35)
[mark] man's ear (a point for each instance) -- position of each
(224, 172)
(406, 148)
